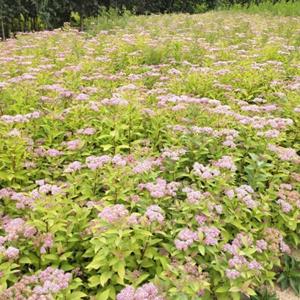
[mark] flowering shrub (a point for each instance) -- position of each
(150, 164)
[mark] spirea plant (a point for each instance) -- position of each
(156, 161)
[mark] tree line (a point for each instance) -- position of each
(34, 15)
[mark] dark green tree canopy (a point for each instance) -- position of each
(32, 15)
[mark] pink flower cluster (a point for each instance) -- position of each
(40, 151)
(288, 197)
(285, 206)
(20, 118)
(97, 162)
(155, 214)
(211, 235)
(193, 196)
(272, 133)
(205, 172)
(175, 99)
(147, 291)
(14, 133)
(115, 213)
(38, 287)
(146, 165)
(238, 262)
(241, 240)
(16, 228)
(185, 238)
(119, 160)
(173, 154)
(160, 188)
(86, 131)
(228, 134)
(46, 189)
(285, 154)
(232, 273)
(116, 100)
(73, 145)
(255, 122)
(261, 245)
(10, 253)
(47, 242)
(257, 108)
(82, 97)
(22, 200)
(225, 162)
(73, 167)
(244, 193)
(201, 219)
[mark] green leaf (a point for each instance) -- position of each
(141, 279)
(222, 289)
(106, 147)
(234, 289)
(236, 296)
(105, 277)
(50, 257)
(164, 262)
(201, 250)
(76, 295)
(250, 292)
(25, 260)
(103, 295)
(120, 268)
(96, 263)
(295, 286)
(94, 281)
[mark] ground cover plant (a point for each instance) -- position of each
(159, 160)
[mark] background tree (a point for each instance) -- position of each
(32, 15)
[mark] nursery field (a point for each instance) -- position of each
(155, 160)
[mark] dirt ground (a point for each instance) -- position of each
(286, 295)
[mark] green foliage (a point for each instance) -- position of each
(264, 294)
(290, 274)
(276, 8)
(106, 20)
(156, 99)
(95, 15)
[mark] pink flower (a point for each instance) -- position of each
(285, 206)
(232, 274)
(86, 131)
(53, 153)
(161, 188)
(261, 245)
(193, 196)
(201, 219)
(211, 235)
(12, 253)
(186, 237)
(126, 294)
(112, 214)
(73, 167)
(226, 162)
(73, 145)
(148, 291)
(82, 97)
(155, 213)
(205, 172)
(118, 160)
(254, 265)
(97, 162)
